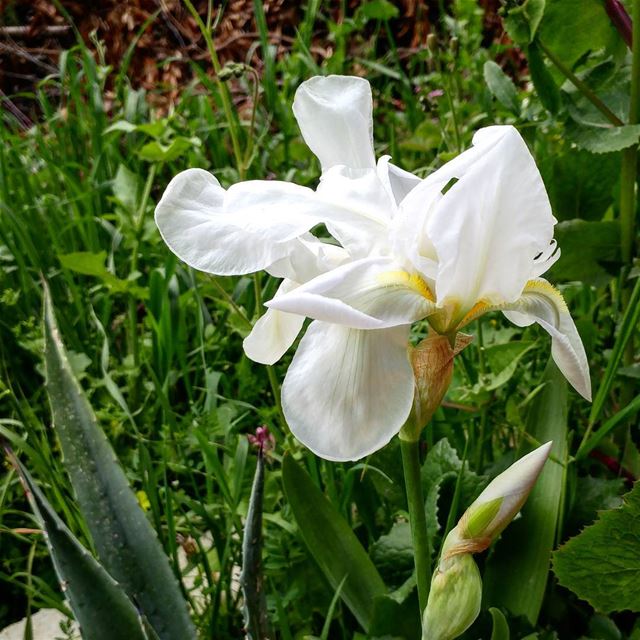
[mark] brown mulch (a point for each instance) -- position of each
(165, 37)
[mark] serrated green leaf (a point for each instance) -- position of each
(127, 545)
(545, 86)
(516, 574)
(98, 602)
(604, 139)
(501, 86)
(332, 543)
(602, 564)
(593, 495)
(589, 251)
(392, 553)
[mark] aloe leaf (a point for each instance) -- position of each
(99, 603)
(251, 579)
(126, 544)
(333, 544)
(517, 572)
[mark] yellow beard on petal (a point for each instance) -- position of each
(414, 281)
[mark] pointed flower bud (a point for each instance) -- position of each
(454, 600)
(456, 588)
(432, 362)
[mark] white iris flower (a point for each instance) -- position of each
(474, 236)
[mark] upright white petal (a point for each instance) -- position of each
(398, 182)
(373, 293)
(543, 304)
(244, 229)
(491, 223)
(347, 391)
(274, 332)
(335, 116)
(367, 209)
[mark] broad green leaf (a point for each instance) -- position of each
(589, 250)
(503, 360)
(501, 86)
(500, 629)
(593, 495)
(581, 184)
(602, 564)
(516, 574)
(545, 86)
(98, 602)
(604, 139)
(522, 21)
(125, 187)
(127, 545)
(332, 543)
(570, 28)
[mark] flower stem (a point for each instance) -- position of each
(417, 517)
(581, 86)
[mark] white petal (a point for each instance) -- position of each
(361, 209)
(397, 181)
(491, 224)
(373, 293)
(242, 230)
(335, 116)
(274, 332)
(348, 392)
(541, 303)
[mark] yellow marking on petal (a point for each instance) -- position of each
(547, 289)
(476, 311)
(413, 281)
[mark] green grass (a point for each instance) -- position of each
(158, 347)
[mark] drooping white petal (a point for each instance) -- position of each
(244, 229)
(491, 223)
(274, 332)
(373, 293)
(366, 206)
(543, 304)
(335, 117)
(347, 391)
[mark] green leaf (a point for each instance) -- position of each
(396, 614)
(503, 360)
(581, 184)
(127, 545)
(500, 629)
(98, 602)
(589, 251)
(392, 553)
(592, 495)
(125, 188)
(256, 623)
(543, 81)
(501, 86)
(604, 139)
(602, 564)
(332, 543)
(157, 152)
(571, 28)
(522, 21)
(379, 10)
(516, 574)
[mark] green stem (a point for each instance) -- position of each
(417, 518)
(224, 94)
(581, 86)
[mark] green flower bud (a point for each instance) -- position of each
(454, 599)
